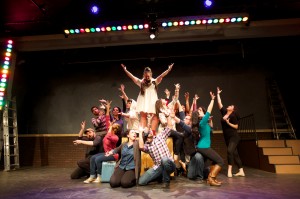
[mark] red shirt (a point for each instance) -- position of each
(110, 142)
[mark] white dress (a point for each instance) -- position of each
(146, 102)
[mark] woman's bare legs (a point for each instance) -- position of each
(143, 119)
(154, 122)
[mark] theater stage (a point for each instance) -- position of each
(52, 183)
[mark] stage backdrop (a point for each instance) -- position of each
(56, 89)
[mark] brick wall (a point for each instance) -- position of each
(60, 151)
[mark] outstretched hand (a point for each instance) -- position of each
(212, 95)
(218, 90)
(171, 66)
(123, 66)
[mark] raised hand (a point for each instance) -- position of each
(123, 66)
(186, 95)
(218, 90)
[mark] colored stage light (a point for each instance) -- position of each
(208, 3)
(95, 9)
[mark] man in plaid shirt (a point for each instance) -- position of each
(164, 164)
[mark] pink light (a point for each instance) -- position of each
(124, 27)
(227, 20)
(10, 41)
(103, 29)
(181, 23)
(146, 26)
(81, 30)
(7, 58)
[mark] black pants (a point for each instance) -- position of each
(82, 170)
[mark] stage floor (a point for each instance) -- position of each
(52, 183)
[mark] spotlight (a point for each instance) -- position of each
(153, 26)
(95, 9)
(152, 35)
(208, 3)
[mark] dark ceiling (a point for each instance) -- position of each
(43, 17)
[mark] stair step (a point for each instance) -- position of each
(271, 143)
(283, 159)
(287, 169)
(277, 151)
(295, 144)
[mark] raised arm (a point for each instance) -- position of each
(219, 98)
(187, 102)
(82, 125)
(194, 105)
(159, 78)
(211, 104)
(131, 76)
(141, 140)
(122, 90)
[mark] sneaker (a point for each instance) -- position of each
(98, 180)
(89, 180)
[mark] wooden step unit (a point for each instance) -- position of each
(279, 156)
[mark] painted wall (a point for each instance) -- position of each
(56, 89)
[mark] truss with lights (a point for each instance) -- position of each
(4, 71)
(166, 23)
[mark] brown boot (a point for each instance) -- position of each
(215, 179)
(214, 171)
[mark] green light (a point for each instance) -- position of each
(216, 20)
(93, 30)
(239, 19)
(114, 28)
(170, 23)
(193, 22)
(5, 67)
(72, 31)
(2, 84)
(135, 27)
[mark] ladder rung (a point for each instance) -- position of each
(12, 109)
(15, 164)
(9, 126)
(12, 155)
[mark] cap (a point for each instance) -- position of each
(89, 129)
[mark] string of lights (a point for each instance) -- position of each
(5, 71)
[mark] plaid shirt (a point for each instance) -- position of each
(158, 148)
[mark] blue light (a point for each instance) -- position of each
(95, 9)
(208, 3)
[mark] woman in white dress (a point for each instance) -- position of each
(148, 95)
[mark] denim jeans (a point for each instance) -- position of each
(165, 169)
(96, 163)
(196, 166)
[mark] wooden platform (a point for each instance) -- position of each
(277, 156)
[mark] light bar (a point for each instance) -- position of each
(210, 20)
(5, 71)
(165, 23)
(106, 29)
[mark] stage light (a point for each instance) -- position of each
(208, 3)
(95, 9)
(5, 72)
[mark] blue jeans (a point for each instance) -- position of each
(165, 169)
(96, 163)
(196, 167)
